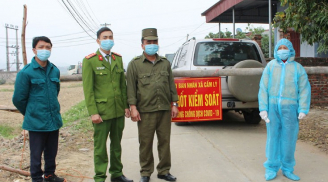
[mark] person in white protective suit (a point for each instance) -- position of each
(284, 98)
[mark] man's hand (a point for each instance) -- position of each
(174, 111)
(127, 113)
(135, 116)
(96, 119)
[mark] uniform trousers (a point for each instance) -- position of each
(282, 132)
(46, 143)
(151, 122)
(114, 129)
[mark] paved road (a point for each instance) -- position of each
(222, 151)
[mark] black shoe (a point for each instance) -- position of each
(144, 179)
(121, 179)
(167, 177)
(53, 178)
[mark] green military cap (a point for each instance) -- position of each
(149, 34)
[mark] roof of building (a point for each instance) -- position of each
(246, 11)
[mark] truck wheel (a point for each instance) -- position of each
(245, 88)
(181, 123)
(252, 116)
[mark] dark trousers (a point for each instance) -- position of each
(46, 143)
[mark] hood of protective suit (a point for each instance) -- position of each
(289, 45)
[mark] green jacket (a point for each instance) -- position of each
(151, 85)
(104, 85)
(36, 97)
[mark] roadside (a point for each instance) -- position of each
(75, 156)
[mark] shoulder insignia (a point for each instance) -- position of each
(137, 57)
(162, 57)
(117, 54)
(90, 55)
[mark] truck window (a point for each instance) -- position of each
(71, 67)
(182, 56)
(224, 53)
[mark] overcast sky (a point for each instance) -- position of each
(174, 19)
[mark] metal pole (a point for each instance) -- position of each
(17, 49)
(7, 49)
(105, 24)
(270, 29)
(214, 73)
(233, 22)
(219, 30)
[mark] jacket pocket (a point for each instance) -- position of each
(144, 79)
(38, 87)
(38, 81)
(101, 105)
(101, 76)
(165, 76)
(100, 72)
(54, 85)
(119, 70)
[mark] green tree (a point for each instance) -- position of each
(307, 17)
(265, 45)
(252, 32)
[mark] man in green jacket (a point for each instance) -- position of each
(151, 91)
(104, 89)
(36, 97)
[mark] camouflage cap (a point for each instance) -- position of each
(149, 34)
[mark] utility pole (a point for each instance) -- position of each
(7, 46)
(105, 25)
(23, 36)
(17, 51)
(187, 37)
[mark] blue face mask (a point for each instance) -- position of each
(283, 54)
(107, 44)
(151, 49)
(43, 54)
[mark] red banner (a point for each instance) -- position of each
(199, 99)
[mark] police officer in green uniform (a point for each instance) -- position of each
(104, 89)
(151, 92)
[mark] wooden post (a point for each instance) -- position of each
(24, 173)
(23, 35)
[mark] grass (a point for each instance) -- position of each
(6, 90)
(7, 131)
(78, 118)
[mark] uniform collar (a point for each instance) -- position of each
(143, 58)
(104, 55)
(35, 64)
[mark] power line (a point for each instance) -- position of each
(92, 12)
(88, 14)
(77, 20)
(81, 18)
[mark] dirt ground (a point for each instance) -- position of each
(75, 156)
(76, 149)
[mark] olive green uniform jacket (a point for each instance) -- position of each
(151, 86)
(104, 85)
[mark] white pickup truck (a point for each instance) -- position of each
(238, 93)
